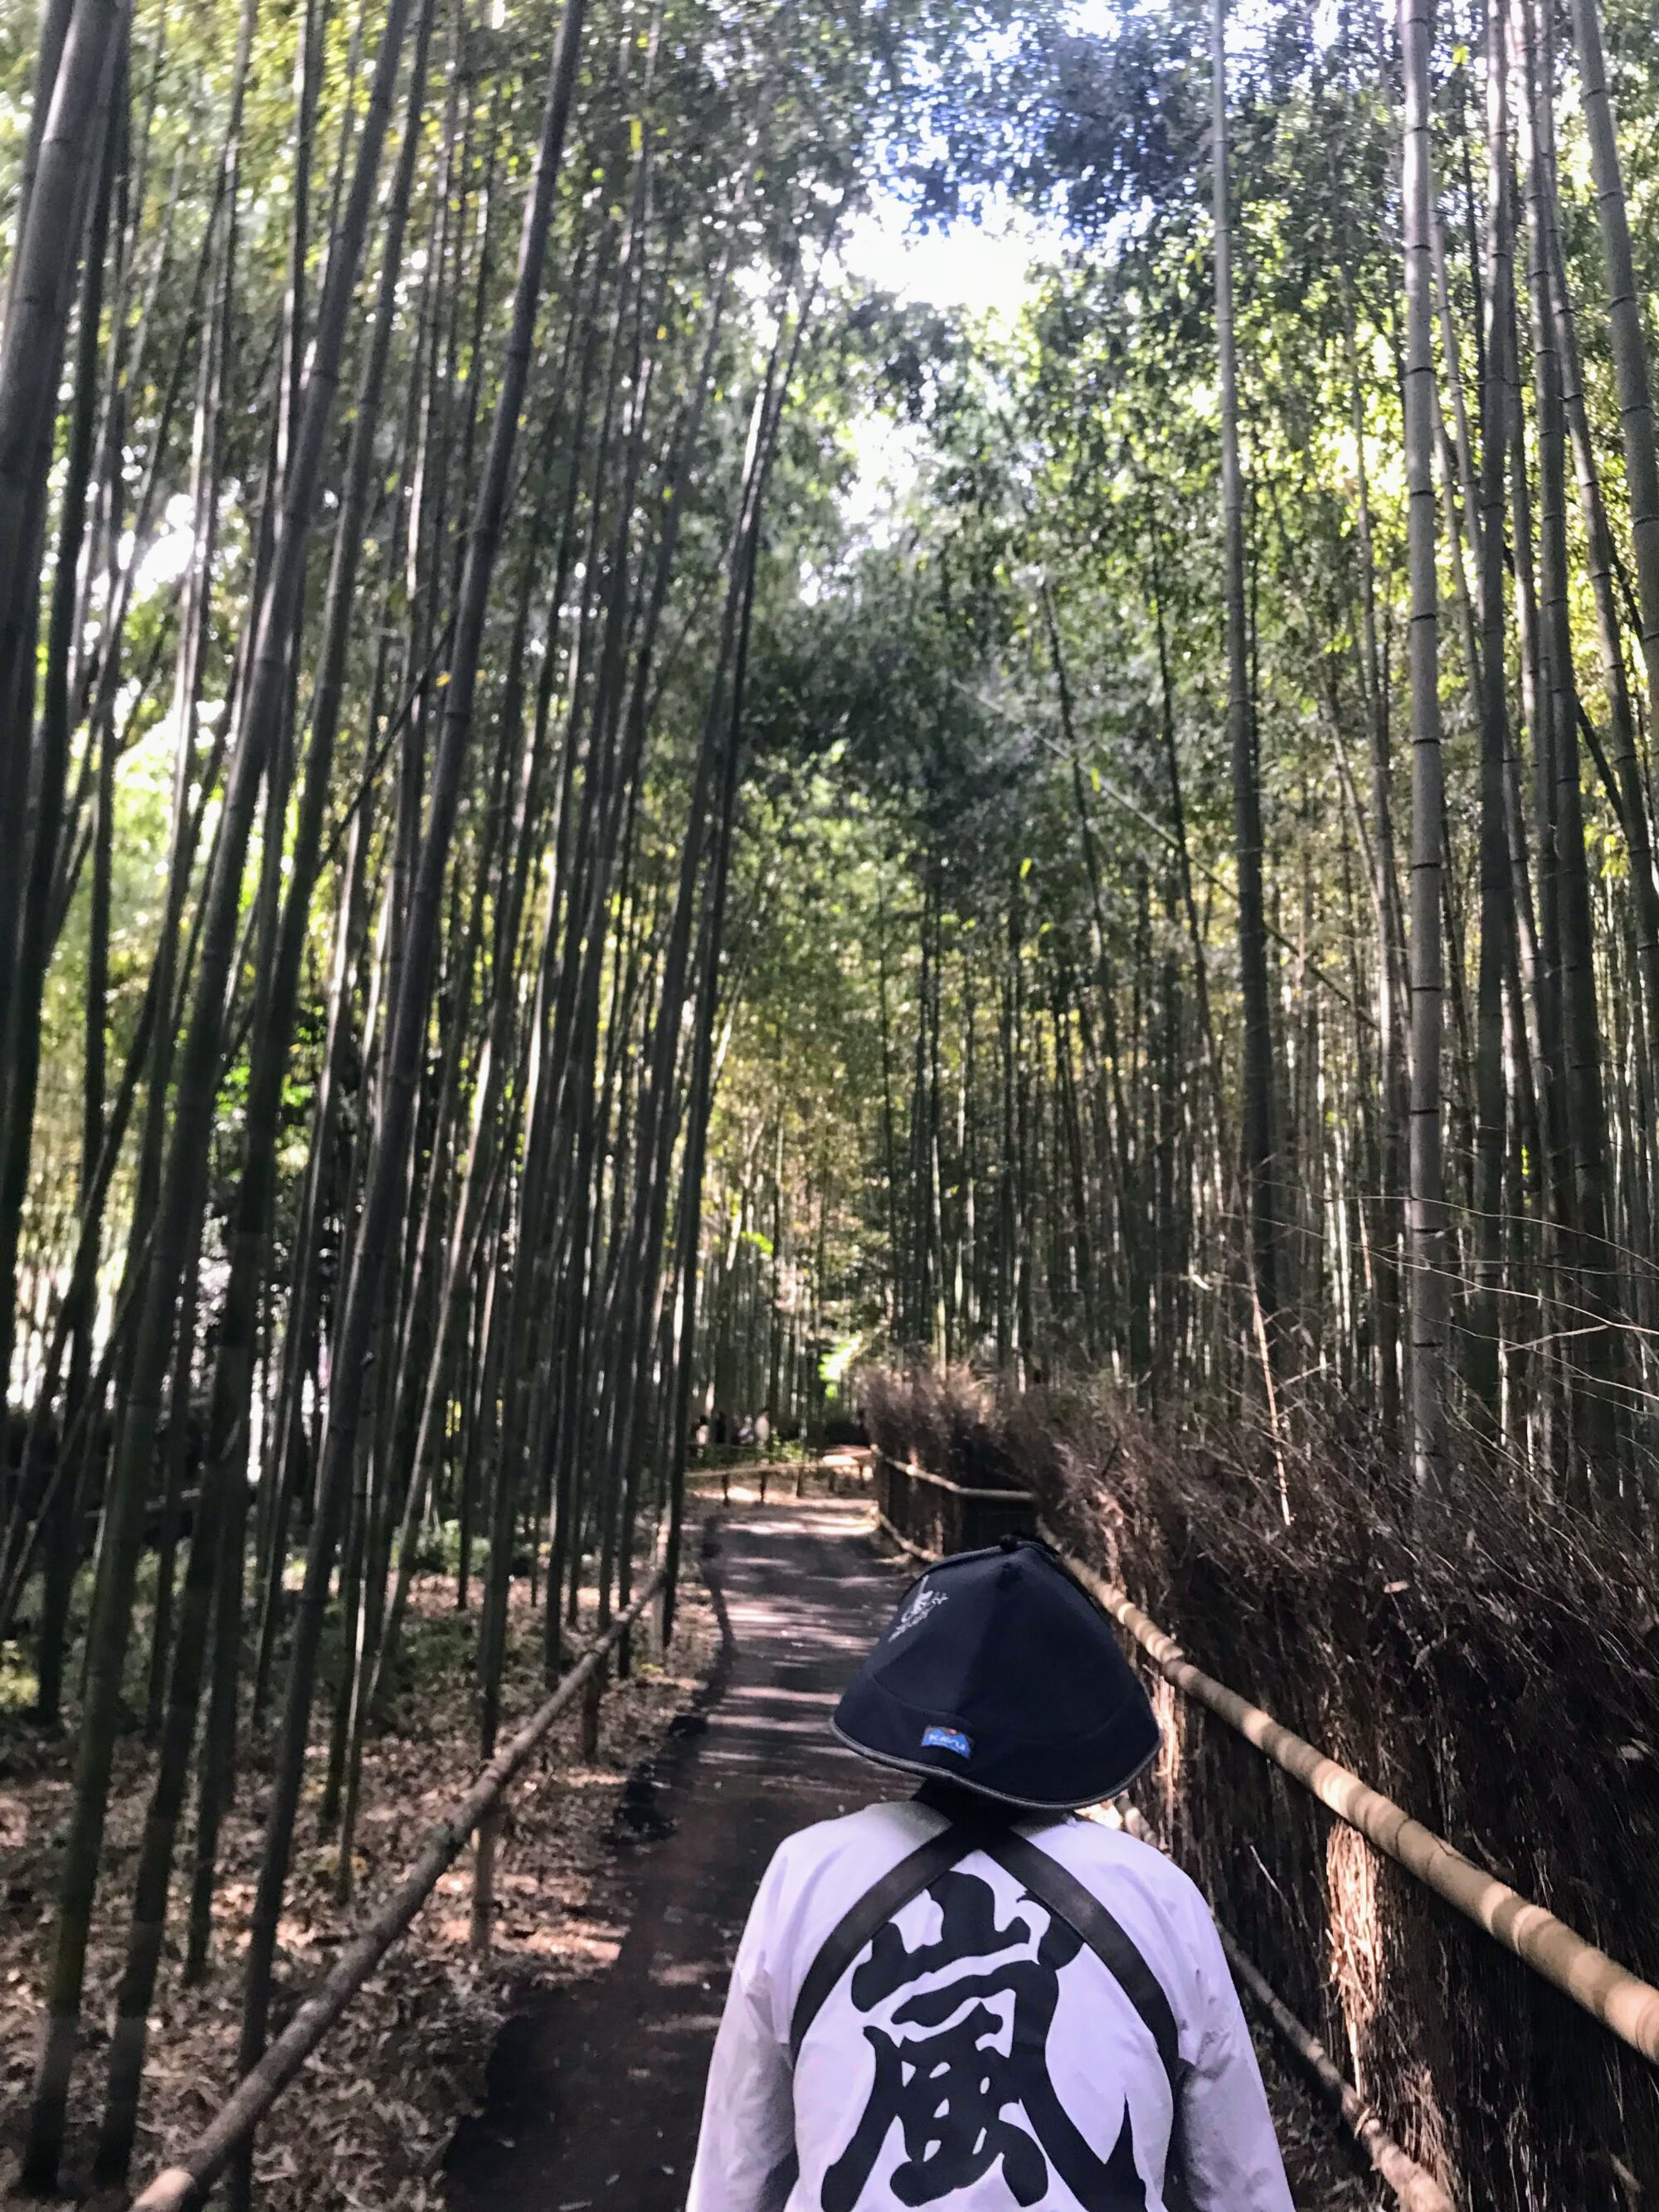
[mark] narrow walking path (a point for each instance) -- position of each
(595, 2092)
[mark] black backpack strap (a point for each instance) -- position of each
(1065, 1896)
(1043, 1878)
(878, 1905)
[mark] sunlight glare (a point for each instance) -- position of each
(170, 556)
(980, 269)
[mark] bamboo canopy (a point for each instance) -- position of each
(610, 822)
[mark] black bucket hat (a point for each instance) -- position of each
(999, 1672)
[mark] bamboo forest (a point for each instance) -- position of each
(639, 847)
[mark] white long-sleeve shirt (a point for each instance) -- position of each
(979, 2057)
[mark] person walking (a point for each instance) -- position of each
(970, 1997)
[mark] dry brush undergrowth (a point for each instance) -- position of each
(1499, 1678)
(367, 2124)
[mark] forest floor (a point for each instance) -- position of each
(620, 1879)
(367, 2124)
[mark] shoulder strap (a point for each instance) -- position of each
(878, 1905)
(1042, 1877)
(1050, 1882)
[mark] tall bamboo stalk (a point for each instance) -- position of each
(1426, 1205)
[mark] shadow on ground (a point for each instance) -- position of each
(594, 2091)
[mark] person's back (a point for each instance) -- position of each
(968, 2000)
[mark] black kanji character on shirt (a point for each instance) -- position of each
(950, 2090)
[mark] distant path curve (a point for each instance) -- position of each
(594, 2092)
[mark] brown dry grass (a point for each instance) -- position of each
(1496, 1672)
(367, 2124)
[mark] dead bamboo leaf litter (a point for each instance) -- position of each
(368, 2121)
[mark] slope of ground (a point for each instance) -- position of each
(367, 2124)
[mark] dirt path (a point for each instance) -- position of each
(595, 2092)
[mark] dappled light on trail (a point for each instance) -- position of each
(600, 2091)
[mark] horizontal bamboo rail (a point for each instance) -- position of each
(186, 2182)
(768, 1467)
(727, 1472)
(1414, 2189)
(1610, 1993)
(927, 1558)
(957, 1489)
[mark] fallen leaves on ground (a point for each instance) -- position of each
(365, 2127)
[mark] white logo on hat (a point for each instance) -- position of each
(925, 1602)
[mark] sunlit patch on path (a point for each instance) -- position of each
(594, 2091)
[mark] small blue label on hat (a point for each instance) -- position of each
(943, 1738)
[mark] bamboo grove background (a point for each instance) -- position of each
(530, 918)
(1256, 742)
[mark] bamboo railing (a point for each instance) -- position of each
(1414, 2188)
(1624, 2004)
(927, 1515)
(186, 2181)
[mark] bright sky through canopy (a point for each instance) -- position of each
(978, 267)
